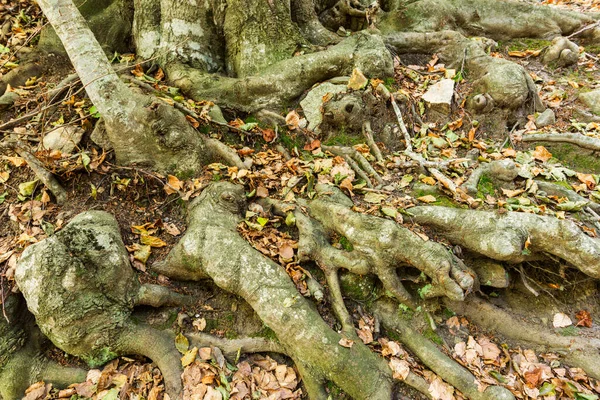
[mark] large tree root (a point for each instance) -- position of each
(21, 360)
(577, 351)
(577, 139)
(212, 245)
(141, 131)
(514, 237)
(499, 20)
(430, 355)
(285, 81)
(379, 253)
(496, 82)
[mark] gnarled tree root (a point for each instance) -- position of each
(504, 236)
(213, 246)
(430, 355)
(21, 359)
(580, 352)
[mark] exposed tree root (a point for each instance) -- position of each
(430, 355)
(577, 351)
(288, 79)
(45, 176)
(141, 131)
(506, 236)
(586, 142)
(381, 254)
(496, 82)
(88, 294)
(21, 361)
(212, 245)
(233, 347)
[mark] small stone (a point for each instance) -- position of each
(439, 96)
(7, 100)
(546, 118)
(312, 103)
(591, 100)
(63, 139)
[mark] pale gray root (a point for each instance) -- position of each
(85, 304)
(160, 296)
(503, 236)
(381, 245)
(586, 142)
(577, 351)
(213, 246)
(142, 132)
(357, 162)
(285, 80)
(499, 20)
(45, 176)
(490, 273)
(497, 83)
(158, 346)
(448, 369)
(553, 189)
(500, 171)
(231, 348)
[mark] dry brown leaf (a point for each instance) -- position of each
(292, 120)
(542, 154)
(584, 319)
(346, 342)
(173, 185)
(427, 199)
(588, 179)
(357, 80)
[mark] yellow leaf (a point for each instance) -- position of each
(16, 161)
(428, 180)
(189, 357)
(357, 80)
(4, 175)
(152, 241)
(427, 199)
(173, 185)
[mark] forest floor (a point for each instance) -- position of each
(150, 209)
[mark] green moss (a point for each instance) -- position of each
(569, 331)
(101, 357)
(290, 141)
(573, 157)
(346, 245)
(485, 187)
(342, 138)
(434, 337)
(526, 44)
(266, 333)
(334, 391)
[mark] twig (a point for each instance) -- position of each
(368, 133)
(2, 298)
(585, 28)
(577, 139)
(47, 177)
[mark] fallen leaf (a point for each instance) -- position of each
(584, 319)
(400, 368)
(199, 324)
(268, 135)
(173, 185)
(427, 199)
(172, 229)
(292, 120)
(189, 357)
(561, 320)
(542, 154)
(588, 179)
(375, 198)
(512, 193)
(357, 80)
(182, 343)
(152, 241)
(346, 342)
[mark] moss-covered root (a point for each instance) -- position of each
(21, 362)
(498, 20)
(430, 355)
(160, 296)
(286, 80)
(380, 245)
(580, 352)
(496, 82)
(158, 346)
(503, 237)
(213, 245)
